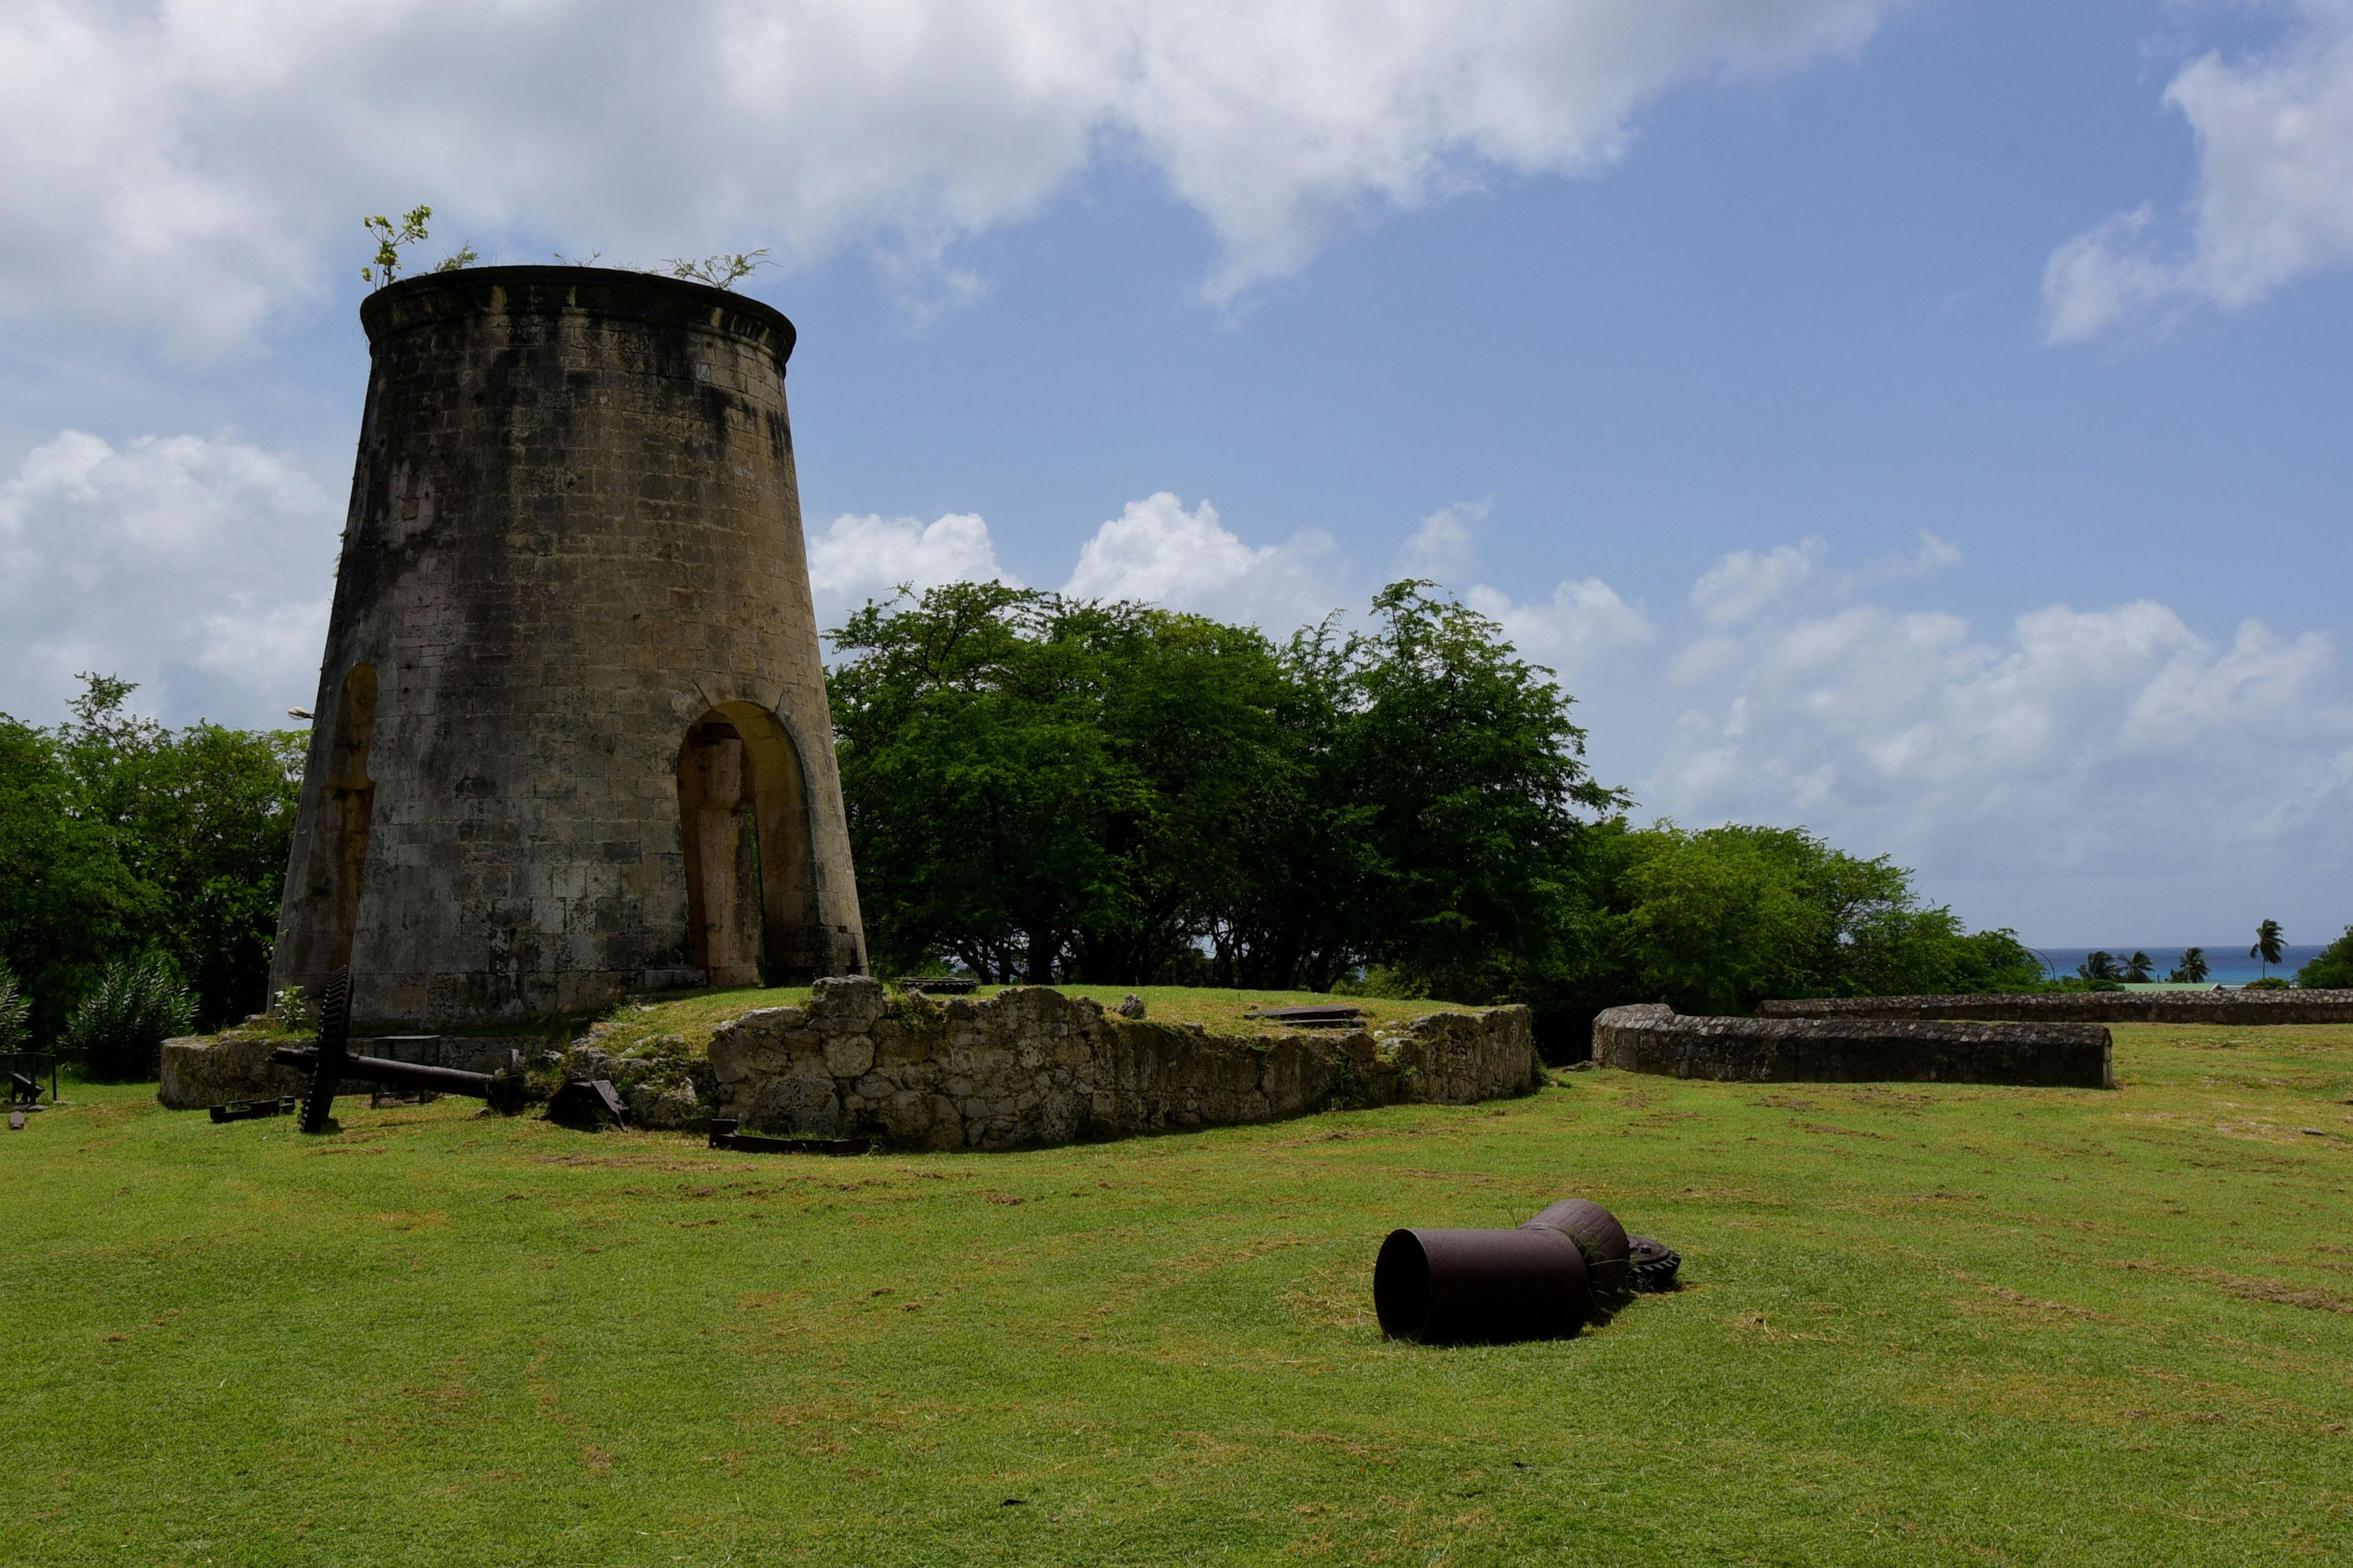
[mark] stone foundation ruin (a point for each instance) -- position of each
(1031, 1066)
(1654, 1039)
(2218, 1006)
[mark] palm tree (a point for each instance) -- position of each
(2192, 968)
(2269, 939)
(2100, 965)
(2140, 968)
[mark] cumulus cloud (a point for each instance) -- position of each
(2274, 198)
(2114, 745)
(1157, 552)
(194, 167)
(1445, 547)
(871, 557)
(199, 567)
(1581, 621)
(1744, 582)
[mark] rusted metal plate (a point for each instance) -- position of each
(1311, 1017)
(724, 1135)
(249, 1109)
(587, 1104)
(1465, 1286)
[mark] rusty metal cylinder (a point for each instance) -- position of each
(1456, 1287)
(1599, 1236)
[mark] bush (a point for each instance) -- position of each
(2332, 970)
(2268, 982)
(16, 1013)
(120, 1028)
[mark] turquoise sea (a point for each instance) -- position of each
(2227, 962)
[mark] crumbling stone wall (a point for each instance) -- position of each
(1031, 1066)
(2232, 1007)
(1652, 1038)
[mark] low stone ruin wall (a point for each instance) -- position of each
(2236, 1008)
(1031, 1066)
(202, 1070)
(1654, 1039)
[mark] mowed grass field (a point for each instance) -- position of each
(1920, 1324)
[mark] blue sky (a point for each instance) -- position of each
(1921, 422)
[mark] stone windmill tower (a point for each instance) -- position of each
(571, 736)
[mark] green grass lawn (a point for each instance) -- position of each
(1921, 1325)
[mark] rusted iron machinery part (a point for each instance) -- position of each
(1653, 1263)
(327, 1061)
(1470, 1286)
(1598, 1234)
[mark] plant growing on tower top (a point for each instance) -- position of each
(390, 238)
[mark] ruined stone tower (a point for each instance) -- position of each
(571, 737)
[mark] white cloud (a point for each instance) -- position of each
(1444, 547)
(1743, 582)
(200, 568)
(2113, 743)
(1157, 552)
(197, 167)
(2274, 198)
(1930, 556)
(871, 557)
(1581, 621)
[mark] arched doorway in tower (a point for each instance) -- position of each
(751, 889)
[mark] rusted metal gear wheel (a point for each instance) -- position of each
(1652, 1264)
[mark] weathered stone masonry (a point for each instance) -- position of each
(572, 673)
(1031, 1066)
(2232, 1007)
(1652, 1038)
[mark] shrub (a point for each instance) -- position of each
(2332, 970)
(16, 1013)
(120, 1028)
(2268, 982)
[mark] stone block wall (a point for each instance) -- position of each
(2232, 1007)
(1031, 1066)
(1654, 1039)
(203, 1071)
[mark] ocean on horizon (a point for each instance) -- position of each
(2227, 965)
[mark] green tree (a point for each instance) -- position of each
(2269, 942)
(16, 1013)
(120, 836)
(986, 798)
(1715, 921)
(2192, 969)
(2100, 965)
(1466, 782)
(2140, 968)
(2331, 969)
(119, 1030)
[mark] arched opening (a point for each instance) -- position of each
(750, 891)
(346, 805)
